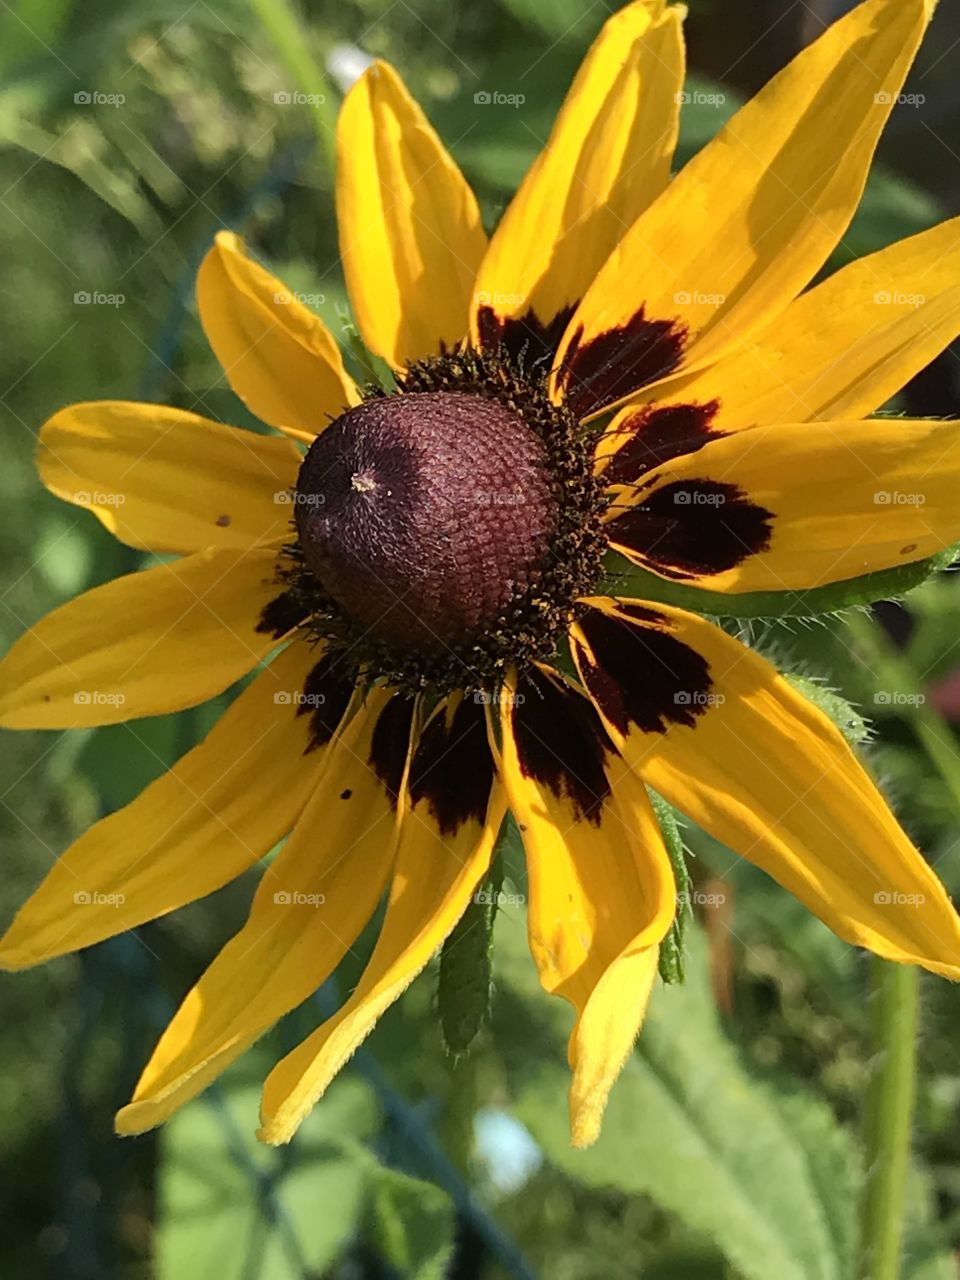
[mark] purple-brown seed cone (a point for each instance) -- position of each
(423, 515)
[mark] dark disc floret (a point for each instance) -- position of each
(445, 530)
(424, 515)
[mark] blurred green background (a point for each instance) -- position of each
(129, 132)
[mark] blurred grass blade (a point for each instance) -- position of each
(293, 44)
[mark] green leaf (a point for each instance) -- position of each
(413, 1224)
(671, 948)
(849, 721)
(226, 1201)
(769, 1177)
(466, 967)
(626, 579)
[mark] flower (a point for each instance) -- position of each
(631, 361)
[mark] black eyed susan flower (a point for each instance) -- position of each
(631, 362)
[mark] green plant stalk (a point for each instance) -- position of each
(889, 1108)
(889, 1115)
(895, 672)
(283, 25)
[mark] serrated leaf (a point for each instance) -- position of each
(626, 579)
(466, 967)
(672, 947)
(849, 721)
(770, 1178)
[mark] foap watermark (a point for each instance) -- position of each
(292, 498)
(494, 98)
(884, 99)
(699, 98)
(896, 698)
(698, 498)
(97, 498)
(898, 298)
(698, 698)
(697, 898)
(498, 299)
(294, 98)
(500, 697)
(286, 298)
(94, 898)
(898, 498)
(297, 898)
(98, 698)
(501, 898)
(96, 298)
(697, 298)
(296, 698)
(894, 898)
(96, 98)
(508, 498)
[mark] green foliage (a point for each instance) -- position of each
(768, 1176)
(413, 1224)
(465, 978)
(847, 719)
(225, 1199)
(672, 948)
(714, 1162)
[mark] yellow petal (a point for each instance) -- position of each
(602, 894)
(280, 358)
(165, 480)
(751, 218)
(222, 806)
(796, 506)
(410, 233)
(446, 842)
(142, 645)
(717, 731)
(310, 906)
(607, 157)
(841, 350)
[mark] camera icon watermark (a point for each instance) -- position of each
(494, 98)
(698, 698)
(884, 99)
(94, 98)
(96, 298)
(897, 498)
(98, 698)
(94, 898)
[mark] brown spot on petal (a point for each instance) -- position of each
(905, 551)
(527, 339)
(281, 615)
(561, 744)
(656, 434)
(223, 522)
(693, 528)
(639, 673)
(620, 361)
(452, 768)
(390, 744)
(326, 695)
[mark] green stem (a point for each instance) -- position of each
(283, 25)
(889, 1108)
(895, 675)
(889, 1113)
